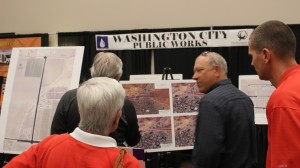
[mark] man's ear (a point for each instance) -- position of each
(266, 54)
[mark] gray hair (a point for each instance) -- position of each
(274, 35)
(107, 64)
(99, 101)
(216, 59)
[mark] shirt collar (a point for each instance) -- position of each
(93, 139)
(222, 82)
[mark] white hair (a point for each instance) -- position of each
(99, 101)
(107, 64)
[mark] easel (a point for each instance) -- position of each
(167, 71)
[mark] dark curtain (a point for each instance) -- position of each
(135, 62)
(180, 60)
(296, 30)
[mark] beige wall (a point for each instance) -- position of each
(51, 16)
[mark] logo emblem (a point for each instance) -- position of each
(242, 35)
(102, 42)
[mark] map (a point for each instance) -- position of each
(37, 78)
(166, 111)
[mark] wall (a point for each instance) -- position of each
(51, 16)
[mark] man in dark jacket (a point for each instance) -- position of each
(225, 130)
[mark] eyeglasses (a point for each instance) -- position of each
(204, 53)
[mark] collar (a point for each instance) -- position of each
(93, 139)
(222, 82)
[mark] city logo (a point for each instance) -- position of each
(102, 42)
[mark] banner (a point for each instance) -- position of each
(187, 39)
(6, 46)
(9, 43)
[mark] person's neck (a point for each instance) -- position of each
(279, 68)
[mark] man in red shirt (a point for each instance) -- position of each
(272, 46)
(100, 102)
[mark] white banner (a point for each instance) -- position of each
(187, 39)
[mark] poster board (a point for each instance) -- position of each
(259, 91)
(37, 78)
(167, 112)
(6, 46)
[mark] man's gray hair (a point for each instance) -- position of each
(99, 101)
(216, 59)
(107, 64)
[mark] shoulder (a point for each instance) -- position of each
(54, 140)
(68, 97)
(70, 93)
(226, 92)
(128, 107)
(127, 101)
(226, 95)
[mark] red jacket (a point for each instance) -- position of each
(79, 149)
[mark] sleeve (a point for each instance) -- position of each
(209, 136)
(133, 135)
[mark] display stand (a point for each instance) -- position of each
(167, 71)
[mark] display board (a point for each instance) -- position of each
(167, 113)
(37, 78)
(259, 91)
(6, 46)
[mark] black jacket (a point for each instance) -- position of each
(66, 119)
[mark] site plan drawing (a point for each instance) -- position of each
(37, 78)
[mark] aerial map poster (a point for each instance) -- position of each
(167, 112)
(259, 91)
(37, 78)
